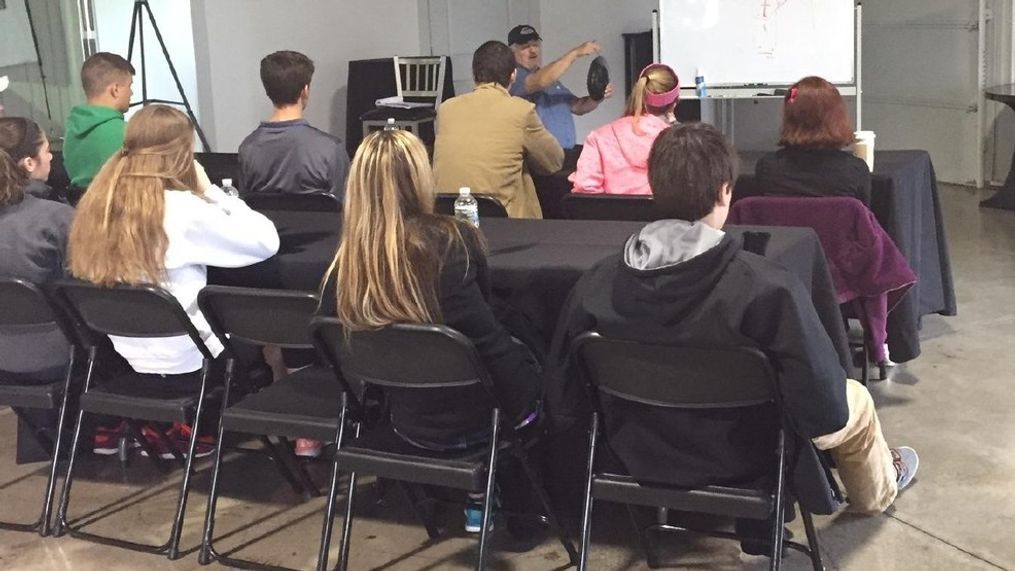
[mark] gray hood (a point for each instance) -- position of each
(669, 242)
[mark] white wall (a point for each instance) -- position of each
(231, 37)
(173, 18)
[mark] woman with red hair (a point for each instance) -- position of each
(815, 129)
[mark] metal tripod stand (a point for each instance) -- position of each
(137, 26)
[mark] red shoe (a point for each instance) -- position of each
(308, 448)
(180, 434)
(156, 443)
(107, 440)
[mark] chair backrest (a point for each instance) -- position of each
(141, 311)
(675, 376)
(309, 202)
(609, 207)
(489, 207)
(23, 304)
(259, 316)
(219, 166)
(420, 356)
(420, 79)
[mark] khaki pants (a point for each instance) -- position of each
(862, 455)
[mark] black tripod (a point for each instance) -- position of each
(136, 25)
(38, 55)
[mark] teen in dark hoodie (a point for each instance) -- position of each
(95, 129)
(683, 280)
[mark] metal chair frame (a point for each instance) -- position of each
(678, 495)
(42, 525)
(65, 292)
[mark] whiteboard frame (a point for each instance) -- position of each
(767, 91)
(742, 88)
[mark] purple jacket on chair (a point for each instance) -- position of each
(866, 266)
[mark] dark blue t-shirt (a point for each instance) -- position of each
(553, 105)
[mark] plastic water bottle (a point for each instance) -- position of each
(701, 90)
(228, 188)
(466, 207)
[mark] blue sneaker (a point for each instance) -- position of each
(474, 518)
(906, 463)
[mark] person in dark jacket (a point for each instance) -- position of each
(28, 146)
(683, 280)
(815, 129)
(401, 263)
(33, 243)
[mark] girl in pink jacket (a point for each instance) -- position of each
(615, 156)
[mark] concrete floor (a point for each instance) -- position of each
(953, 404)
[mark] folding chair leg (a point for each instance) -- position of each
(432, 531)
(207, 547)
(866, 367)
(173, 550)
(136, 432)
(812, 540)
(644, 540)
(343, 548)
(286, 450)
(61, 512)
(491, 470)
(329, 517)
(283, 468)
(586, 537)
(329, 510)
(544, 499)
(778, 526)
(47, 503)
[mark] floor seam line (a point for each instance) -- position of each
(948, 543)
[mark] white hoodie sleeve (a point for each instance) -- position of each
(221, 231)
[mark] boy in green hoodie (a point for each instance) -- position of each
(95, 129)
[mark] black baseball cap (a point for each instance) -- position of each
(522, 34)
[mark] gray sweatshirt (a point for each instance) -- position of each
(33, 244)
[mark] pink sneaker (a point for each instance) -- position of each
(308, 447)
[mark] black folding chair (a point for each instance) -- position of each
(489, 207)
(25, 306)
(220, 166)
(306, 403)
(425, 358)
(681, 379)
(608, 207)
(137, 312)
(309, 202)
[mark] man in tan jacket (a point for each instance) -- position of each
(490, 141)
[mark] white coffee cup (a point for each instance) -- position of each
(863, 147)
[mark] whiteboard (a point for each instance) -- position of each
(737, 43)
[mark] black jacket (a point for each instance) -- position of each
(794, 171)
(464, 296)
(724, 296)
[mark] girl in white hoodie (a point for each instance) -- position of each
(151, 216)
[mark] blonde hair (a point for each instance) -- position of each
(117, 234)
(655, 79)
(387, 266)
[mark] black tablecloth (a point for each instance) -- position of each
(904, 197)
(534, 263)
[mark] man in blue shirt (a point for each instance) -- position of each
(541, 85)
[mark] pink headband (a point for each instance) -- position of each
(661, 99)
